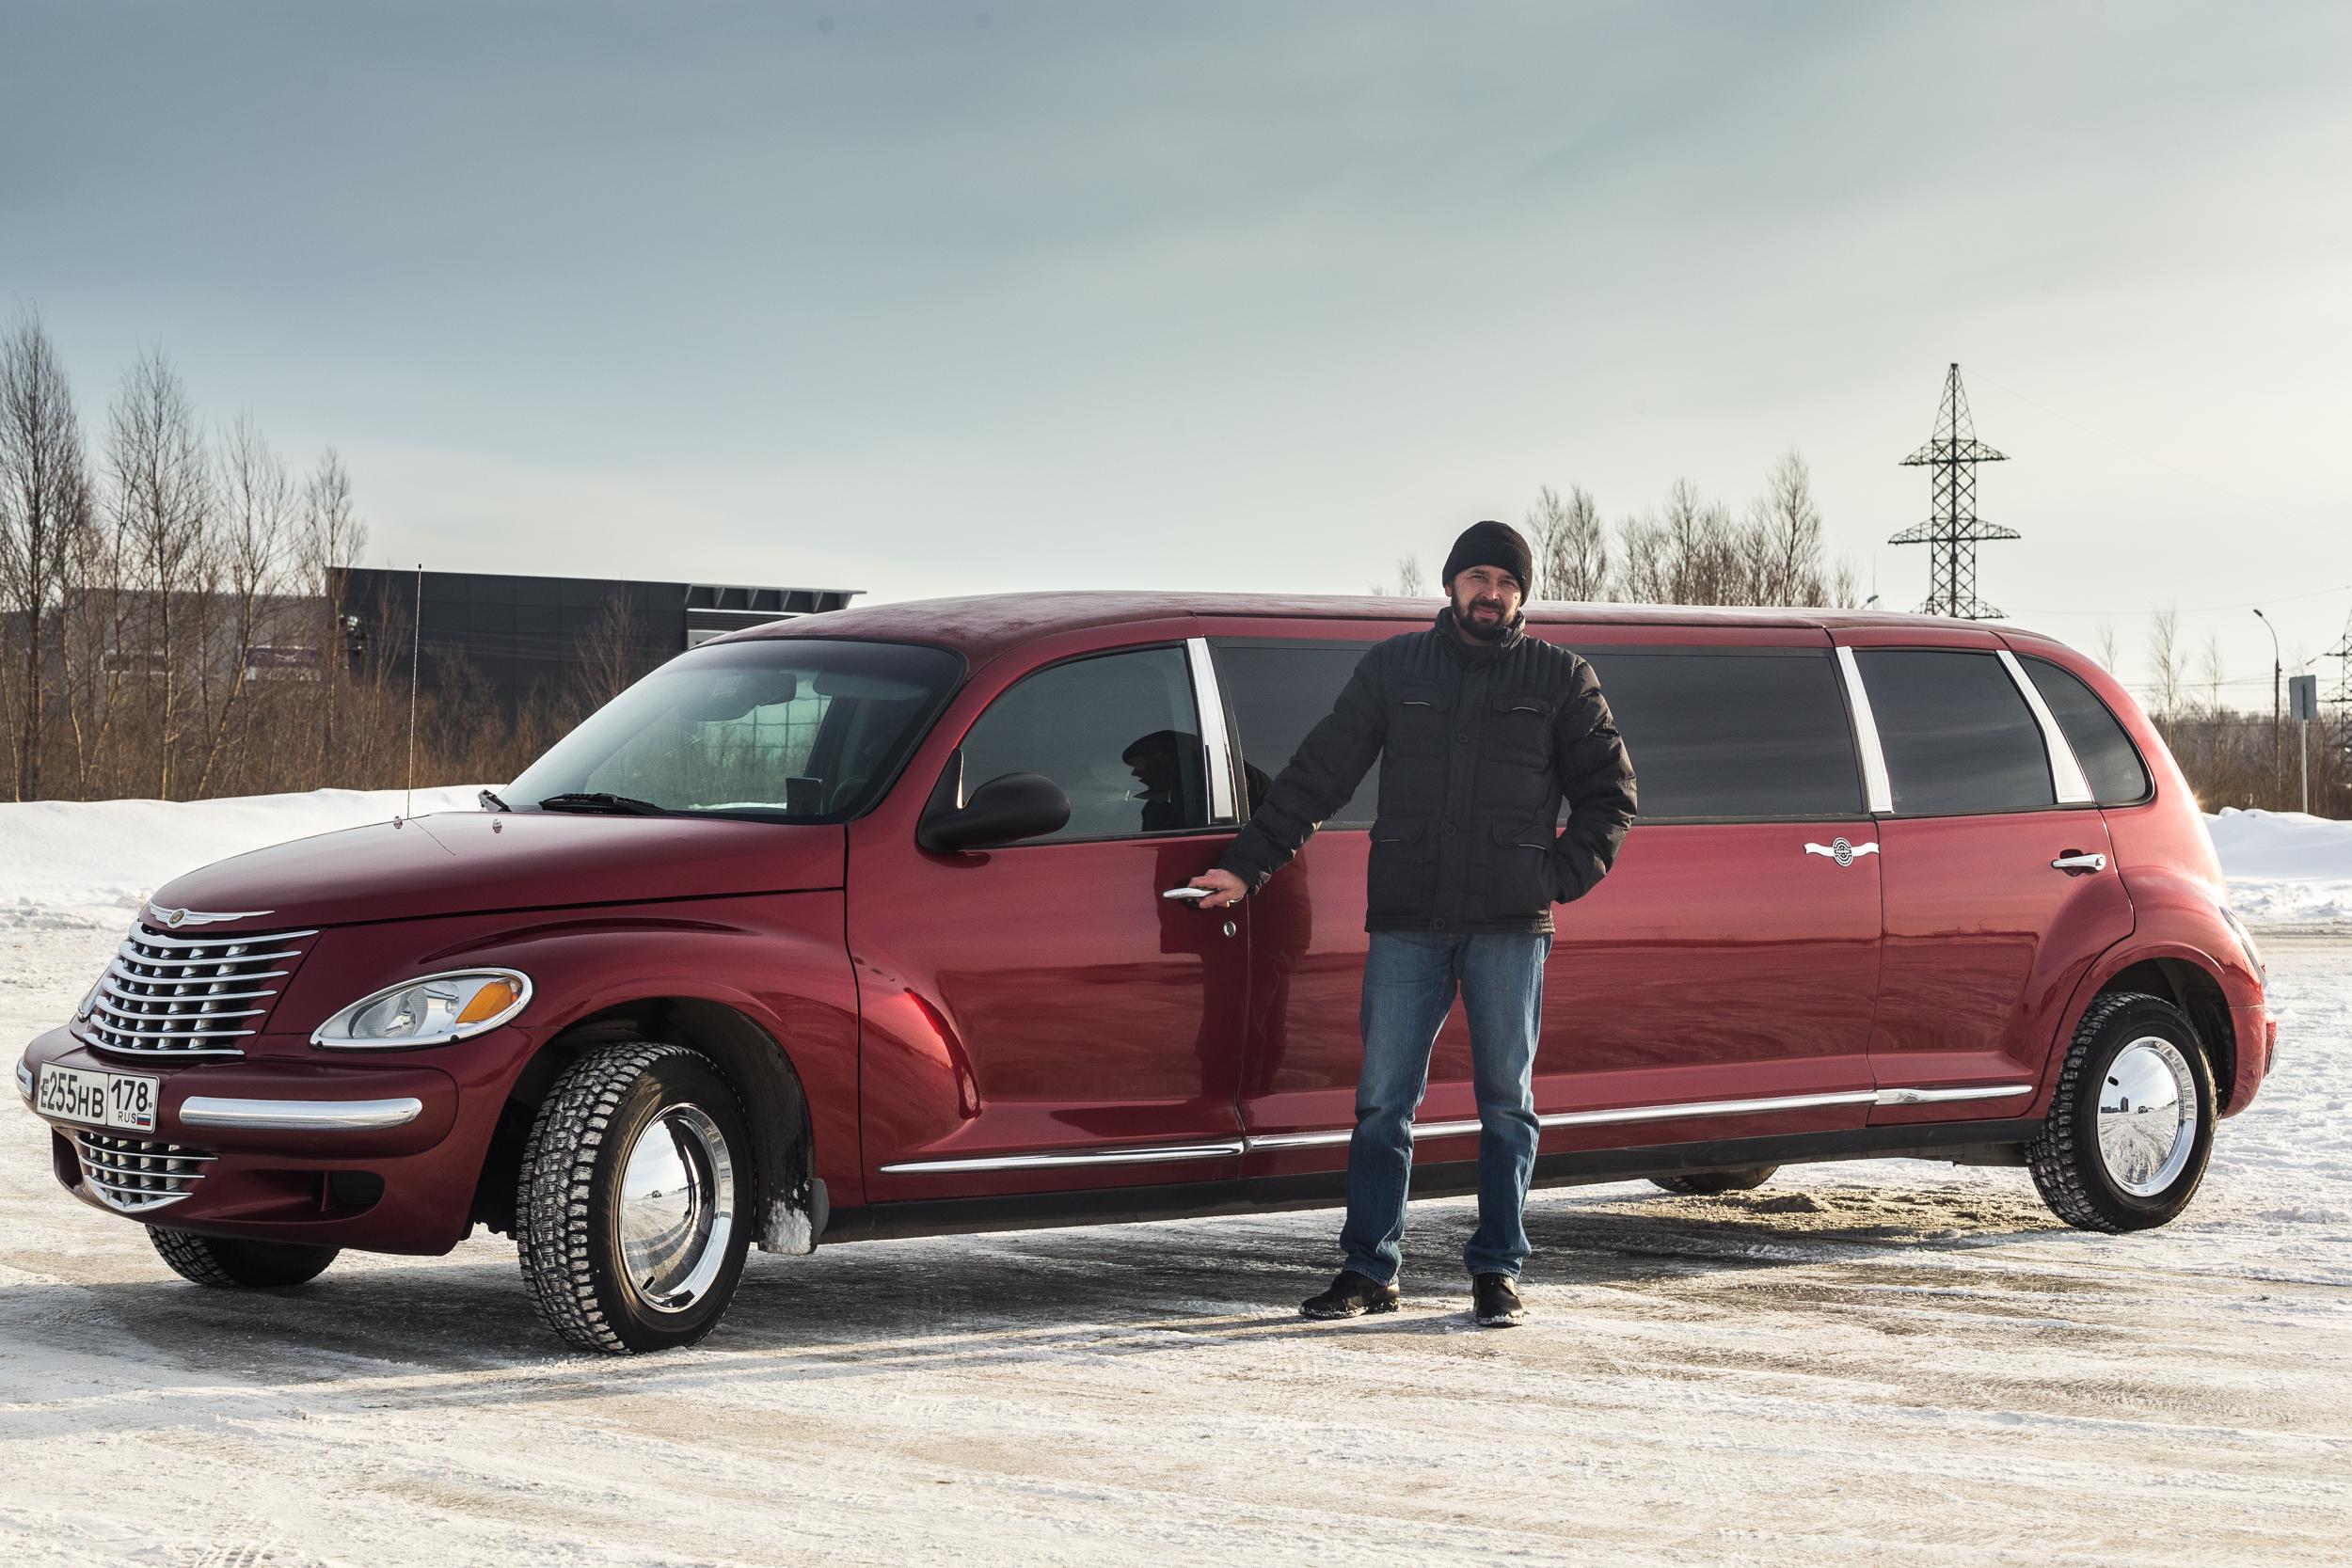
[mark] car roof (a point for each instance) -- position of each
(980, 625)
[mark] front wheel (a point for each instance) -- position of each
(634, 1207)
(2131, 1125)
(252, 1265)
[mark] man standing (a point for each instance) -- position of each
(1480, 730)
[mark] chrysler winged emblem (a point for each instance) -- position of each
(1842, 851)
(176, 918)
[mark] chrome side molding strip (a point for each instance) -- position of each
(1326, 1137)
(1072, 1158)
(1941, 1097)
(2066, 770)
(299, 1116)
(1209, 706)
(1877, 795)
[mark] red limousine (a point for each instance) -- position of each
(854, 927)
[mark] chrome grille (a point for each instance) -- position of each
(189, 996)
(136, 1176)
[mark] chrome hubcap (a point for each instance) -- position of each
(677, 1209)
(2147, 1117)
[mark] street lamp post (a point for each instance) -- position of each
(2278, 667)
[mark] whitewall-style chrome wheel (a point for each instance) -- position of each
(2147, 1115)
(676, 1209)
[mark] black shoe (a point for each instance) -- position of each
(1496, 1301)
(1351, 1296)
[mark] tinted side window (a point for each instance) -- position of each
(1723, 732)
(1277, 693)
(1958, 735)
(1116, 732)
(2110, 761)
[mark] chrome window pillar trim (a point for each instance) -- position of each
(299, 1116)
(1878, 792)
(1071, 1158)
(2066, 770)
(1209, 707)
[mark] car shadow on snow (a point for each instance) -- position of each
(432, 1332)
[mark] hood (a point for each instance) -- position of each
(469, 863)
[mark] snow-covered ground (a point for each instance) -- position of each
(2285, 868)
(1886, 1364)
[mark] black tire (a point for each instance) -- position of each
(2069, 1162)
(233, 1265)
(1708, 1183)
(567, 1209)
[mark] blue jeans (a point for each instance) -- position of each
(1409, 981)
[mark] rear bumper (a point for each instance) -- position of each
(370, 1153)
(2257, 1030)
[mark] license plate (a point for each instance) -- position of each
(123, 1100)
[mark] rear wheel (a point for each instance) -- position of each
(2131, 1125)
(634, 1207)
(252, 1265)
(1707, 1183)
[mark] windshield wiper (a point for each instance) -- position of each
(616, 805)
(490, 802)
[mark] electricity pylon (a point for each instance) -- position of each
(1953, 529)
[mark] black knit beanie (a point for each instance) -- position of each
(1491, 544)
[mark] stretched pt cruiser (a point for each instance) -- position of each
(855, 926)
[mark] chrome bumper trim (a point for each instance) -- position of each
(299, 1116)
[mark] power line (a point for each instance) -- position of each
(1952, 528)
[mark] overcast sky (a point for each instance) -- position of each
(937, 298)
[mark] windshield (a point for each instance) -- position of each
(799, 729)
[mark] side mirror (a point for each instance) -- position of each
(1004, 809)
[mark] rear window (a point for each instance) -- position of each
(1733, 733)
(1959, 737)
(2110, 761)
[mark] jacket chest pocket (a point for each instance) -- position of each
(1417, 717)
(1519, 730)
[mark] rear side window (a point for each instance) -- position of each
(1958, 735)
(1116, 732)
(1277, 692)
(2110, 761)
(1729, 733)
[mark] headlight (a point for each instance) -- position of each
(432, 1012)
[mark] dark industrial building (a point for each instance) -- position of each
(519, 636)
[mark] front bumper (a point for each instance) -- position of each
(371, 1153)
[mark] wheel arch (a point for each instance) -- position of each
(2190, 981)
(789, 1202)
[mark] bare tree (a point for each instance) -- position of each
(1570, 546)
(44, 510)
(2167, 660)
(614, 653)
(332, 538)
(1785, 539)
(1410, 581)
(2105, 646)
(258, 500)
(162, 499)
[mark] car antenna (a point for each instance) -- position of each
(415, 646)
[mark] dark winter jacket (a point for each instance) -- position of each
(1477, 744)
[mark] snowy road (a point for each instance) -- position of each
(1886, 1364)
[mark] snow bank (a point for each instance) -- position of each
(67, 863)
(2285, 868)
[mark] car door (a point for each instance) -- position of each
(1719, 983)
(1038, 1017)
(2000, 883)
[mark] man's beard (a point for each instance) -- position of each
(1491, 632)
